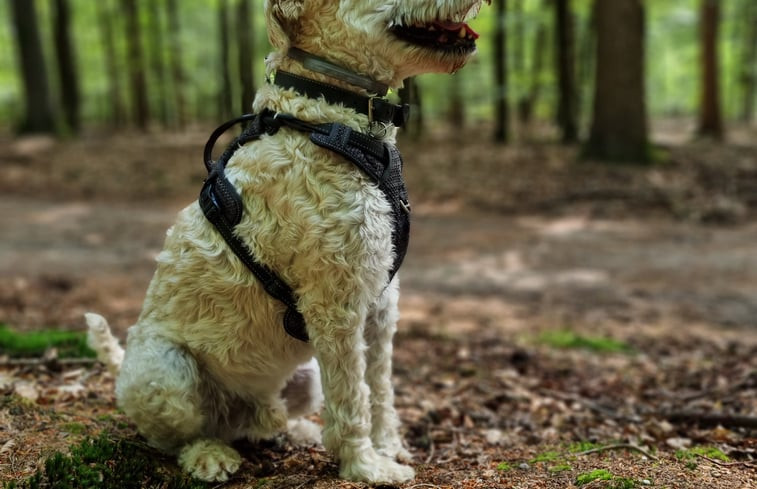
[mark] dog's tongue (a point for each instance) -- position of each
(456, 26)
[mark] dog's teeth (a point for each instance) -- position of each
(432, 28)
(462, 33)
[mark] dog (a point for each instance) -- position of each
(208, 361)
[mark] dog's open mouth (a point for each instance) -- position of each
(439, 35)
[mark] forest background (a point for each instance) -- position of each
(579, 301)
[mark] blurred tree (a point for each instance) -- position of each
(748, 64)
(501, 112)
(177, 72)
(564, 57)
(456, 112)
(245, 23)
(538, 54)
(619, 120)
(38, 116)
(136, 64)
(116, 104)
(410, 94)
(225, 95)
(710, 118)
(66, 63)
(155, 54)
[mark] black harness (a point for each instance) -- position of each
(222, 204)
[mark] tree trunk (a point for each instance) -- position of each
(225, 95)
(38, 116)
(619, 119)
(177, 72)
(136, 64)
(748, 76)
(564, 57)
(710, 118)
(115, 99)
(67, 73)
(410, 94)
(456, 113)
(157, 64)
(500, 73)
(245, 23)
(526, 106)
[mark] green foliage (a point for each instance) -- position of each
(582, 446)
(614, 482)
(34, 343)
(504, 467)
(568, 339)
(104, 463)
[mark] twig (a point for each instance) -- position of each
(727, 464)
(619, 446)
(709, 419)
(431, 450)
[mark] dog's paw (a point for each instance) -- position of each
(371, 467)
(209, 460)
(303, 432)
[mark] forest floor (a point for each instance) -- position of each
(563, 324)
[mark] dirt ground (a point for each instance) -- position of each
(509, 245)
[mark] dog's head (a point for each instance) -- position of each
(388, 40)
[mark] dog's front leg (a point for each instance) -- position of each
(381, 324)
(340, 349)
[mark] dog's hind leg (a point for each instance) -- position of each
(303, 395)
(160, 389)
(380, 327)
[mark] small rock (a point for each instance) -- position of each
(27, 390)
(678, 443)
(524, 466)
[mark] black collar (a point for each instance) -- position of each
(377, 109)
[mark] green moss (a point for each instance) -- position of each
(104, 463)
(613, 481)
(34, 343)
(568, 339)
(690, 455)
(504, 467)
(545, 457)
(559, 468)
(74, 428)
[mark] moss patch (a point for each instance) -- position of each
(34, 343)
(105, 463)
(564, 338)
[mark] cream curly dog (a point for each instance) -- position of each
(208, 360)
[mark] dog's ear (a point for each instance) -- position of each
(281, 18)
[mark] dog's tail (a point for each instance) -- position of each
(100, 339)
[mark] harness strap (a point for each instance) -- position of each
(222, 204)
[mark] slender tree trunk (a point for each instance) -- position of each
(157, 64)
(66, 58)
(710, 118)
(456, 113)
(38, 116)
(136, 64)
(748, 76)
(519, 56)
(225, 95)
(526, 107)
(410, 94)
(619, 121)
(177, 72)
(500, 73)
(112, 69)
(245, 30)
(566, 107)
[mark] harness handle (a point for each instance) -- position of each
(208, 151)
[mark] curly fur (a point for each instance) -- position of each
(208, 360)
